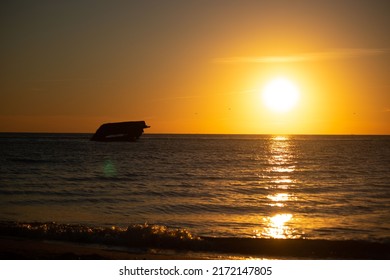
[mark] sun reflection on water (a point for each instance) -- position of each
(281, 177)
(279, 138)
(279, 197)
(281, 162)
(277, 227)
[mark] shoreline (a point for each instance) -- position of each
(63, 241)
(25, 248)
(20, 248)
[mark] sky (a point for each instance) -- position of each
(194, 66)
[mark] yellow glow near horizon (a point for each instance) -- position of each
(280, 95)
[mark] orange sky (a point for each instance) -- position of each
(194, 66)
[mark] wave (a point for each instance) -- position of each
(145, 236)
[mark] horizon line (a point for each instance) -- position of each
(196, 133)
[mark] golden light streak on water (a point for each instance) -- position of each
(280, 138)
(281, 173)
(279, 197)
(277, 227)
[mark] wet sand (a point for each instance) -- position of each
(22, 248)
(30, 249)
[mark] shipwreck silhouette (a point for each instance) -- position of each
(119, 131)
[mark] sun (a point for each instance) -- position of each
(280, 95)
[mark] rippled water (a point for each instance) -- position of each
(316, 187)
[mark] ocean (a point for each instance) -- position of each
(304, 187)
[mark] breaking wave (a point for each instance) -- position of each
(147, 236)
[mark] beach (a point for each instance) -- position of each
(22, 248)
(12, 248)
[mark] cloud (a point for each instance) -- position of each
(314, 56)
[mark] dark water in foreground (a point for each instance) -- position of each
(227, 186)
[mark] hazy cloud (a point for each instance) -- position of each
(315, 56)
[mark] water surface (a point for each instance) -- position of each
(262, 186)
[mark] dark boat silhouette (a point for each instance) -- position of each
(120, 131)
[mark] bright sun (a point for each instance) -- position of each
(280, 95)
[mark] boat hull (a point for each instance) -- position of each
(120, 131)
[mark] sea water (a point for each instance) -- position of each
(255, 186)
